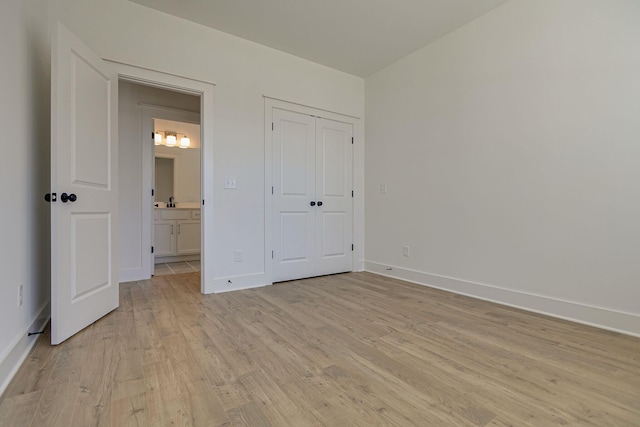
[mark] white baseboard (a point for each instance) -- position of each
(617, 321)
(257, 280)
(176, 258)
(237, 283)
(18, 351)
(130, 275)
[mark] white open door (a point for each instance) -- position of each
(84, 185)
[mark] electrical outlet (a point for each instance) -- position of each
(405, 251)
(230, 182)
(20, 294)
(238, 255)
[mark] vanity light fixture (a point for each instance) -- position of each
(157, 137)
(185, 142)
(171, 140)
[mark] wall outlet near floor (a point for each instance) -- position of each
(20, 295)
(405, 251)
(238, 255)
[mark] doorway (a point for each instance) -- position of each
(195, 105)
(176, 225)
(152, 123)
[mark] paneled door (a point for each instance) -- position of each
(312, 196)
(334, 204)
(84, 185)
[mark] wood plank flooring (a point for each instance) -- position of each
(347, 350)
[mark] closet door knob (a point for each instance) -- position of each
(64, 197)
(319, 203)
(312, 203)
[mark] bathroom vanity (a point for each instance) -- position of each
(177, 234)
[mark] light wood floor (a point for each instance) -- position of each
(346, 350)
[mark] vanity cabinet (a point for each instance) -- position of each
(188, 237)
(165, 238)
(176, 232)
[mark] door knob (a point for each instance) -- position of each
(64, 197)
(319, 203)
(312, 203)
(50, 197)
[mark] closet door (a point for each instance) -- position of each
(312, 196)
(334, 183)
(293, 191)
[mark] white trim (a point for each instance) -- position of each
(176, 258)
(268, 173)
(236, 283)
(357, 169)
(144, 80)
(205, 90)
(600, 317)
(17, 352)
(315, 109)
(187, 118)
(131, 274)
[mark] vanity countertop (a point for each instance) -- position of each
(178, 205)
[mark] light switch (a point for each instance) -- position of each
(383, 188)
(230, 182)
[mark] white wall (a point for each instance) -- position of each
(511, 153)
(243, 72)
(24, 164)
(130, 165)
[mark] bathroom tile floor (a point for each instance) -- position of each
(176, 268)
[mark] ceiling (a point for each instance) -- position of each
(359, 37)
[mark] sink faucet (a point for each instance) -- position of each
(171, 204)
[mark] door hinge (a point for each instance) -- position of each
(272, 127)
(352, 246)
(352, 140)
(153, 193)
(202, 202)
(351, 193)
(151, 249)
(271, 254)
(153, 136)
(272, 189)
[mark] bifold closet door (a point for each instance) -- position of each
(312, 198)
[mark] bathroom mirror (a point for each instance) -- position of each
(164, 179)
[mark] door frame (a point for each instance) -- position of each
(205, 90)
(149, 113)
(357, 169)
